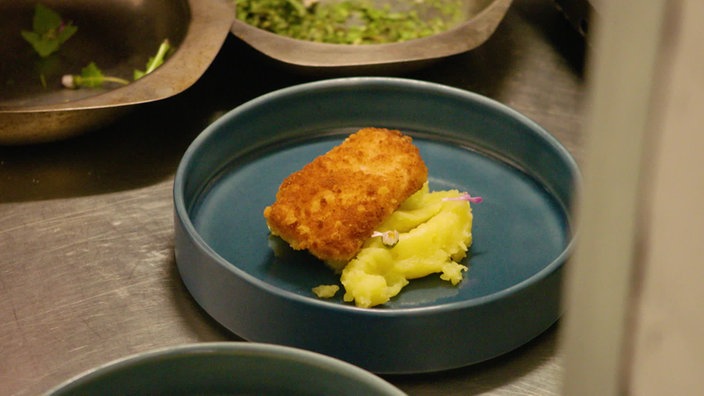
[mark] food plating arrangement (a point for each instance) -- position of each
(285, 196)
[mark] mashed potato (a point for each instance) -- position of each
(435, 232)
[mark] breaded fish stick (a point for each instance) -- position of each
(333, 204)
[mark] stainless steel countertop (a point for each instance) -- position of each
(87, 271)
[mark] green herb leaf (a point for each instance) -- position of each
(45, 19)
(49, 31)
(91, 76)
(154, 61)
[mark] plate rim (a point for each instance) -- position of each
(238, 348)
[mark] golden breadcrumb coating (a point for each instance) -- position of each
(333, 204)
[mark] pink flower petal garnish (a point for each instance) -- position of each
(465, 197)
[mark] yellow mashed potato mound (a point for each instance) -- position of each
(434, 235)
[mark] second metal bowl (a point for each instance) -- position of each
(482, 19)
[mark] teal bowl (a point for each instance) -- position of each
(234, 368)
(523, 230)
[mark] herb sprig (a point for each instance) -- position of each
(154, 61)
(49, 32)
(92, 77)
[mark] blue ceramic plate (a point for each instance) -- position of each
(522, 231)
(227, 369)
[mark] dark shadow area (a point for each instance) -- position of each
(555, 29)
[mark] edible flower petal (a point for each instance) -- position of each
(388, 238)
(464, 197)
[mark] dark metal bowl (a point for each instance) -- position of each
(483, 16)
(119, 36)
